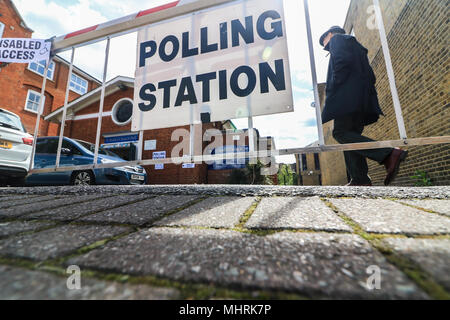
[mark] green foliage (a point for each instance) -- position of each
(286, 176)
(421, 179)
(250, 175)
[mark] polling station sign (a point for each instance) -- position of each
(226, 62)
(24, 50)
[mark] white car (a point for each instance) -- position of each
(15, 149)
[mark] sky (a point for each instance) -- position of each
(50, 18)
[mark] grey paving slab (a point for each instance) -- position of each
(77, 210)
(214, 212)
(22, 284)
(24, 209)
(56, 242)
(315, 264)
(295, 213)
(433, 255)
(439, 206)
(11, 202)
(141, 212)
(11, 197)
(385, 216)
(14, 227)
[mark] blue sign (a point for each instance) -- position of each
(117, 139)
(227, 164)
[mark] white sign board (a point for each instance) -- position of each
(150, 145)
(24, 50)
(229, 61)
(188, 165)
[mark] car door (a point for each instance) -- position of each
(47, 159)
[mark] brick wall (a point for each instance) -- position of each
(418, 41)
(332, 164)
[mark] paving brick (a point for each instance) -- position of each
(433, 255)
(141, 212)
(56, 242)
(315, 264)
(214, 212)
(439, 206)
(14, 227)
(75, 211)
(55, 202)
(295, 213)
(22, 284)
(385, 216)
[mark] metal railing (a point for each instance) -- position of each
(132, 23)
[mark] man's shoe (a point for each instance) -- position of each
(392, 164)
(356, 184)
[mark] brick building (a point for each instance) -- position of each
(418, 39)
(21, 83)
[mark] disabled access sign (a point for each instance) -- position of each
(24, 50)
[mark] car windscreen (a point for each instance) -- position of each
(10, 121)
(91, 148)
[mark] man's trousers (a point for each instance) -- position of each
(349, 129)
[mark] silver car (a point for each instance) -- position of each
(15, 149)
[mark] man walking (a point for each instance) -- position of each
(353, 104)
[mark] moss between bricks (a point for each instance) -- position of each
(188, 291)
(407, 266)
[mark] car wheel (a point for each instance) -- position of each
(83, 178)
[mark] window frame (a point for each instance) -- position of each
(49, 69)
(28, 97)
(114, 108)
(76, 91)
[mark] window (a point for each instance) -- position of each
(78, 84)
(317, 161)
(32, 103)
(2, 27)
(122, 112)
(39, 68)
(47, 145)
(68, 145)
(304, 163)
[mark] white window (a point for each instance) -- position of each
(32, 103)
(78, 84)
(2, 27)
(122, 112)
(39, 68)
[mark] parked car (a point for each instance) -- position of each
(77, 153)
(15, 149)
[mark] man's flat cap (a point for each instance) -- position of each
(334, 29)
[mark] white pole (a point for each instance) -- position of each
(102, 102)
(390, 71)
(314, 75)
(141, 145)
(63, 120)
(40, 110)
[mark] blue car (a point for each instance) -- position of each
(77, 153)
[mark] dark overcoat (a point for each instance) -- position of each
(350, 81)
